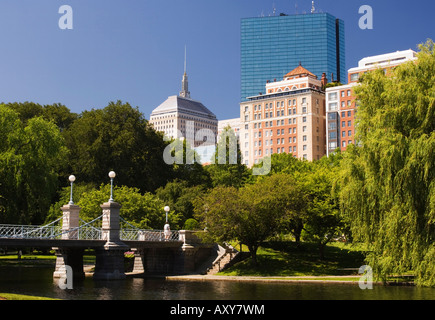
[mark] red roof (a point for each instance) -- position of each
(299, 71)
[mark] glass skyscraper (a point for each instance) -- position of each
(272, 46)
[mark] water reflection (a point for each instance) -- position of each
(39, 282)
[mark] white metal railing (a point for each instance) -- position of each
(148, 235)
(84, 232)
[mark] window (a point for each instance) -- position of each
(304, 129)
(343, 124)
(349, 113)
(304, 119)
(342, 93)
(304, 109)
(294, 139)
(343, 134)
(333, 106)
(332, 96)
(294, 110)
(332, 116)
(349, 123)
(332, 135)
(282, 131)
(348, 93)
(294, 149)
(343, 144)
(278, 132)
(304, 138)
(354, 77)
(343, 114)
(349, 133)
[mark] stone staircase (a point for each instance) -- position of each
(227, 255)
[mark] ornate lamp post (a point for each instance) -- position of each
(166, 210)
(112, 175)
(167, 228)
(71, 179)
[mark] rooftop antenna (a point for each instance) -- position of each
(296, 7)
(274, 9)
(185, 59)
(313, 9)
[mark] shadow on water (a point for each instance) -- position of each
(39, 282)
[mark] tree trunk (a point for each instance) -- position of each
(253, 251)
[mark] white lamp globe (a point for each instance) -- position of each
(72, 178)
(167, 209)
(112, 174)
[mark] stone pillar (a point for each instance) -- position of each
(139, 260)
(72, 257)
(188, 250)
(109, 264)
(70, 221)
(110, 224)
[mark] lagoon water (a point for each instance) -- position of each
(38, 281)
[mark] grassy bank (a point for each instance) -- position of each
(11, 296)
(285, 258)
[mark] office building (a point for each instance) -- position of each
(288, 118)
(270, 46)
(341, 103)
(180, 117)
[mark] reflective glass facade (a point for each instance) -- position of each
(272, 46)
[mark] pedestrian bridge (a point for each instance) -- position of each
(156, 252)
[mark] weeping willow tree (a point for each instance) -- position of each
(388, 186)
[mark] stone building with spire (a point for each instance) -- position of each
(181, 117)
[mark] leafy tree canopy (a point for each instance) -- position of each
(388, 185)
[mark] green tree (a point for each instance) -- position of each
(228, 169)
(30, 157)
(117, 138)
(388, 186)
(251, 214)
(180, 197)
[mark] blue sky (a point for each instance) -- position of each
(133, 50)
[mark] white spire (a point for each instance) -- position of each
(185, 59)
(185, 83)
(313, 9)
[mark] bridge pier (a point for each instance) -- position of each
(109, 264)
(165, 258)
(72, 257)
